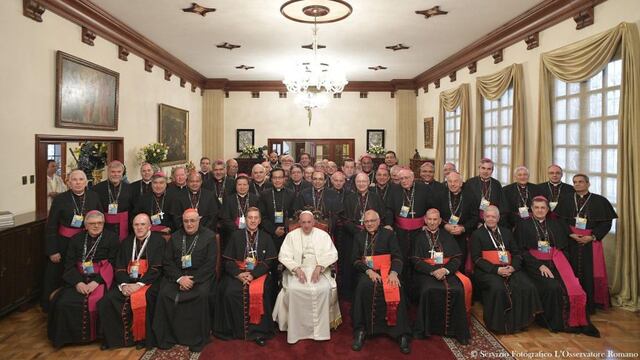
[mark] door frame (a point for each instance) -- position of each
(115, 152)
(350, 142)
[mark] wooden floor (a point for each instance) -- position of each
(23, 335)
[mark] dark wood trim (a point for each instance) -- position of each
(436, 83)
(183, 82)
(87, 14)
(115, 152)
(88, 36)
(473, 67)
(452, 76)
(123, 53)
(584, 18)
(32, 9)
(538, 18)
(364, 94)
(255, 94)
(498, 56)
(532, 41)
(167, 75)
(148, 65)
(278, 86)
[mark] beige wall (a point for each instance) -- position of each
(27, 97)
(272, 117)
(607, 15)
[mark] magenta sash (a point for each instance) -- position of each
(468, 263)
(122, 219)
(409, 224)
(600, 281)
(577, 296)
(68, 231)
(158, 228)
(104, 268)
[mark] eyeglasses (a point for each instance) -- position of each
(190, 221)
(370, 221)
(94, 223)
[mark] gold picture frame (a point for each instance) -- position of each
(173, 130)
(428, 133)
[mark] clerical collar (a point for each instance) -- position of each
(220, 180)
(241, 195)
(382, 186)
(483, 180)
(456, 193)
(181, 186)
(115, 185)
(540, 220)
(433, 231)
(146, 182)
(522, 186)
(204, 172)
(158, 195)
(194, 192)
(297, 183)
(490, 229)
(82, 193)
(555, 184)
(276, 189)
(585, 194)
(363, 193)
(260, 184)
(318, 190)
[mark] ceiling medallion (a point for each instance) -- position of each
(313, 81)
(198, 9)
(397, 47)
(434, 11)
(316, 11)
(376, 68)
(228, 46)
(245, 67)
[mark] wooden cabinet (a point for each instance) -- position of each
(22, 262)
(246, 164)
(416, 163)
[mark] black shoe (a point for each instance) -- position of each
(103, 346)
(261, 341)
(591, 330)
(404, 344)
(140, 345)
(358, 341)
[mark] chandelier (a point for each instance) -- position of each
(314, 82)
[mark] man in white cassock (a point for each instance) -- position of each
(307, 306)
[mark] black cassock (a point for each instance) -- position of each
(552, 291)
(139, 188)
(116, 315)
(476, 189)
(355, 205)
(257, 189)
(233, 314)
(158, 208)
(235, 207)
(518, 197)
(274, 201)
(183, 317)
(222, 188)
(121, 196)
(383, 191)
(207, 179)
(462, 206)
(297, 188)
(326, 201)
(509, 304)
(584, 258)
(74, 317)
(556, 194)
(369, 309)
(202, 200)
(441, 305)
(63, 207)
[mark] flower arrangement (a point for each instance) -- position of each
(90, 156)
(376, 150)
(154, 153)
(250, 151)
(190, 166)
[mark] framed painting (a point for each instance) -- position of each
(86, 94)
(244, 137)
(428, 133)
(173, 128)
(375, 137)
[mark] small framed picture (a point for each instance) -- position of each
(428, 133)
(375, 137)
(244, 137)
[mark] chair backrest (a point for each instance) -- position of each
(322, 225)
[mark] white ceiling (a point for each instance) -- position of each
(271, 43)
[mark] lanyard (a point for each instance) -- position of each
(191, 200)
(454, 212)
(273, 194)
(370, 245)
(485, 194)
(526, 196)
(313, 196)
(243, 209)
(433, 243)
(251, 248)
(551, 188)
(184, 245)
(384, 195)
(541, 230)
(135, 257)
(575, 200)
(224, 183)
(362, 208)
(409, 199)
(113, 200)
(500, 242)
(160, 205)
(76, 210)
(92, 252)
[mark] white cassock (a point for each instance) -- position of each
(307, 311)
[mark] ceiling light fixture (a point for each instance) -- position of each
(314, 81)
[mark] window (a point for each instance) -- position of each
(452, 136)
(496, 134)
(585, 128)
(54, 152)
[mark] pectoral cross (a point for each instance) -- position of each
(161, 213)
(432, 252)
(253, 253)
(412, 213)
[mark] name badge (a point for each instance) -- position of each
(76, 221)
(503, 257)
(250, 263)
(87, 267)
(112, 209)
(437, 257)
(453, 220)
(581, 223)
(279, 217)
(242, 223)
(543, 246)
(369, 260)
(404, 211)
(134, 271)
(524, 212)
(186, 261)
(484, 204)
(155, 219)
(552, 205)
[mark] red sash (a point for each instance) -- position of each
(493, 257)
(409, 224)
(158, 228)
(391, 293)
(122, 219)
(600, 281)
(466, 284)
(68, 231)
(256, 295)
(139, 303)
(577, 296)
(104, 268)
